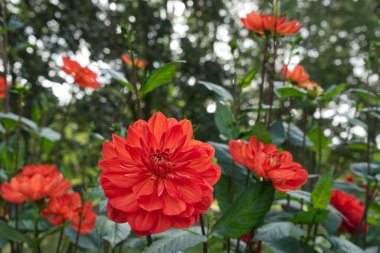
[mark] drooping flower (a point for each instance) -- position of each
(270, 25)
(266, 161)
(297, 76)
(3, 86)
(139, 63)
(35, 182)
(68, 208)
(158, 177)
(83, 76)
(352, 210)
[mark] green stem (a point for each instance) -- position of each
(263, 71)
(36, 241)
(203, 233)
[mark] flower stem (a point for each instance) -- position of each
(134, 81)
(36, 241)
(263, 70)
(203, 232)
(59, 240)
(149, 240)
(4, 53)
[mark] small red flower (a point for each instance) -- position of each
(350, 179)
(3, 87)
(352, 210)
(139, 63)
(269, 25)
(265, 161)
(35, 182)
(159, 176)
(83, 76)
(296, 76)
(84, 219)
(61, 209)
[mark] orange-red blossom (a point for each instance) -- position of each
(267, 162)
(270, 25)
(68, 208)
(83, 76)
(158, 176)
(35, 182)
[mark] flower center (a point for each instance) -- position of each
(160, 162)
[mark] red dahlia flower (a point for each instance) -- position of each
(83, 76)
(265, 161)
(68, 208)
(35, 182)
(269, 25)
(158, 177)
(351, 209)
(3, 85)
(139, 63)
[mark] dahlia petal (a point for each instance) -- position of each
(237, 151)
(150, 203)
(158, 124)
(108, 151)
(10, 195)
(173, 206)
(187, 130)
(143, 221)
(146, 187)
(184, 222)
(212, 175)
(163, 223)
(116, 215)
(190, 193)
(170, 139)
(125, 203)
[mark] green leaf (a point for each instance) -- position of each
(12, 234)
(261, 132)
(277, 132)
(220, 92)
(289, 92)
(225, 121)
(320, 197)
(296, 135)
(111, 231)
(90, 241)
(333, 90)
(174, 241)
(120, 78)
(286, 245)
(278, 230)
(313, 216)
(224, 159)
(344, 245)
(160, 76)
(247, 79)
(361, 170)
(20, 47)
(10, 121)
(367, 96)
(247, 211)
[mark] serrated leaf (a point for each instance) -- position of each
(313, 216)
(111, 231)
(261, 132)
(12, 234)
(296, 135)
(289, 92)
(361, 170)
(320, 197)
(220, 92)
(90, 241)
(120, 78)
(247, 79)
(225, 121)
(278, 230)
(160, 76)
(333, 90)
(175, 241)
(277, 132)
(247, 211)
(344, 245)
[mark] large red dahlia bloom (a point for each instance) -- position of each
(35, 182)
(265, 161)
(352, 210)
(269, 25)
(83, 76)
(158, 177)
